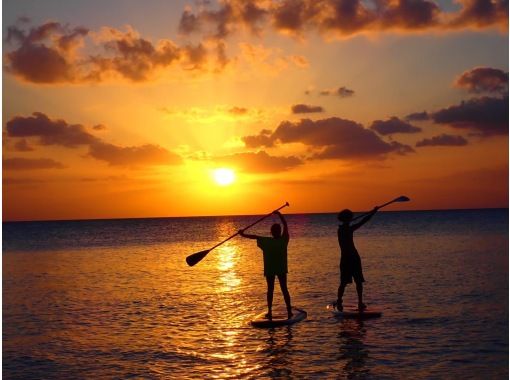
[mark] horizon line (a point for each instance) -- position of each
(235, 215)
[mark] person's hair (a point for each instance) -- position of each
(276, 230)
(345, 215)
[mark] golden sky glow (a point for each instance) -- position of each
(131, 112)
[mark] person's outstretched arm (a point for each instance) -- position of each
(248, 236)
(285, 232)
(365, 219)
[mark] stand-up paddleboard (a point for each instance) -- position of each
(279, 319)
(354, 313)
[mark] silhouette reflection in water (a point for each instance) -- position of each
(279, 349)
(352, 352)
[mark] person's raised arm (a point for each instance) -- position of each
(365, 219)
(285, 232)
(248, 236)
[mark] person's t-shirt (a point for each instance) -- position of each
(275, 255)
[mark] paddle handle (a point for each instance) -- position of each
(251, 225)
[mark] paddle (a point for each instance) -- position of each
(402, 198)
(197, 257)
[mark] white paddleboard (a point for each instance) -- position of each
(278, 319)
(354, 313)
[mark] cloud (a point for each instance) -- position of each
(238, 110)
(340, 17)
(55, 62)
(481, 13)
(58, 132)
(342, 92)
(483, 79)
(443, 140)
(304, 108)
(49, 132)
(59, 51)
(133, 155)
(22, 146)
(486, 115)
(264, 138)
(18, 163)
(330, 138)
(393, 125)
(260, 162)
(418, 116)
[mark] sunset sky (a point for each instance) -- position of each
(125, 108)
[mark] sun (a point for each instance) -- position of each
(223, 176)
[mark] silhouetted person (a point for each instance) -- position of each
(274, 250)
(350, 262)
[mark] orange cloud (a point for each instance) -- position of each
(259, 162)
(19, 163)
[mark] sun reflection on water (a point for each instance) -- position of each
(228, 257)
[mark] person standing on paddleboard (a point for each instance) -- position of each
(274, 250)
(350, 261)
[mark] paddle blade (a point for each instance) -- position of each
(402, 198)
(196, 257)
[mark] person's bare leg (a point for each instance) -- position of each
(282, 279)
(341, 290)
(270, 291)
(359, 290)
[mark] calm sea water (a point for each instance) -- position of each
(115, 299)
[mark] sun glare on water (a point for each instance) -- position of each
(224, 177)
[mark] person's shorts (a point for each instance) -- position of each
(351, 269)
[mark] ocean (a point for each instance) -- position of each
(115, 299)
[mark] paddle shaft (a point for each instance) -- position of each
(251, 225)
(384, 205)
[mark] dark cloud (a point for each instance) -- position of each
(393, 125)
(263, 139)
(418, 116)
(487, 116)
(49, 132)
(340, 17)
(19, 163)
(304, 108)
(99, 127)
(260, 162)
(443, 140)
(58, 132)
(483, 79)
(342, 92)
(411, 14)
(223, 20)
(482, 13)
(330, 138)
(238, 110)
(51, 45)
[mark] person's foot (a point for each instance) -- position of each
(361, 307)
(269, 316)
(289, 313)
(338, 305)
